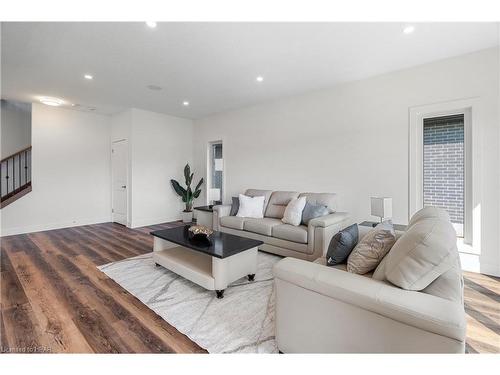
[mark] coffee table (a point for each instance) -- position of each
(213, 265)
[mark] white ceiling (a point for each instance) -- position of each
(213, 65)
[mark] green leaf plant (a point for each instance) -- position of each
(187, 194)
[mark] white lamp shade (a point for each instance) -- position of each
(381, 207)
(214, 194)
(219, 165)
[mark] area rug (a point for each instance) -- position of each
(241, 322)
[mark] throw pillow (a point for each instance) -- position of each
(293, 211)
(235, 205)
(312, 211)
(341, 245)
(372, 248)
(251, 207)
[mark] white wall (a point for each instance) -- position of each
(352, 139)
(71, 173)
(159, 147)
(16, 127)
(72, 169)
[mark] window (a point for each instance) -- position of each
(441, 140)
(216, 174)
(444, 166)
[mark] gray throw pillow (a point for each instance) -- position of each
(235, 206)
(312, 211)
(341, 245)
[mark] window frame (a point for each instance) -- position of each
(208, 179)
(467, 107)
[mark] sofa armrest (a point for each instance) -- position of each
(222, 209)
(327, 220)
(218, 212)
(417, 309)
(322, 229)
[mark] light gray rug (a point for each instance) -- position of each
(241, 322)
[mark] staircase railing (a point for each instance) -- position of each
(15, 173)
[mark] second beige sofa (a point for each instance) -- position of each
(303, 242)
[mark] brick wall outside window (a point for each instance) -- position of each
(444, 165)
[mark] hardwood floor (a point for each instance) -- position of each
(54, 299)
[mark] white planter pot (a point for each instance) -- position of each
(187, 217)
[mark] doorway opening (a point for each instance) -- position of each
(215, 178)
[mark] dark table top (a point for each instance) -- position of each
(204, 208)
(399, 227)
(222, 245)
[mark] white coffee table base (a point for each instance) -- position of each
(209, 272)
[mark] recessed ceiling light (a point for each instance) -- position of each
(88, 76)
(409, 29)
(151, 24)
(259, 79)
(54, 102)
(185, 103)
(154, 87)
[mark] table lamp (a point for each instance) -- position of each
(381, 207)
(213, 195)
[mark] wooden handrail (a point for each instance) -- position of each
(16, 153)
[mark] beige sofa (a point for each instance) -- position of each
(350, 313)
(303, 242)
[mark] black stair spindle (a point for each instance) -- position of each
(7, 176)
(13, 173)
(20, 174)
(26, 166)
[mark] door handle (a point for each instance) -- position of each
(124, 186)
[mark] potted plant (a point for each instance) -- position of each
(187, 194)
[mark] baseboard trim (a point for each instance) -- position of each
(489, 266)
(146, 222)
(51, 226)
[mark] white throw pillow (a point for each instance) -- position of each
(251, 207)
(293, 211)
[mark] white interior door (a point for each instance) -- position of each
(119, 162)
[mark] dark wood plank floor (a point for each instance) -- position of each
(54, 299)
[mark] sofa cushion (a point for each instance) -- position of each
(325, 199)
(342, 267)
(278, 202)
(450, 285)
(262, 226)
(291, 233)
(372, 248)
(260, 193)
(293, 212)
(234, 222)
(429, 212)
(424, 252)
(379, 273)
(272, 244)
